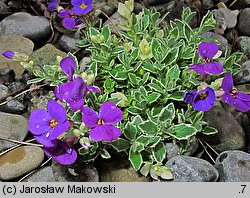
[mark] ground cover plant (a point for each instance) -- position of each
(145, 85)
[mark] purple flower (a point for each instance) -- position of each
(72, 93)
(8, 54)
(68, 66)
(69, 19)
(82, 6)
(207, 51)
(189, 96)
(201, 101)
(47, 126)
(101, 125)
(238, 100)
(61, 152)
(53, 4)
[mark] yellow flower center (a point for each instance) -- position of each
(53, 123)
(83, 6)
(100, 122)
(203, 95)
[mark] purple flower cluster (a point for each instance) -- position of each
(204, 99)
(70, 18)
(207, 51)
(48, 126)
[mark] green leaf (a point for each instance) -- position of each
(145, 78)
(209, 131)
(120, 144)
(133, 79)
(156, 86)
(35, 80)
(183, 131)
(153, 97)
(106, 33)
(207, 23)
(135, 54)
(147, 140)
(38, 73)
(198, 117)
(159, 152)
(133, 110)
(167, 113)
(171, 56)
(108, 85)
(137, 147)
(149, 67)
(137, 120)
(77, 117)
(105, 154)
(187, 14)
(177, 96)
(148, 127)
(145, 169)
(171, 77)
(130, 131)
(135, 159)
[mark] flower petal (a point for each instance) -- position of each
(61, 152)
(68, 66)
(105, 133)
(76, 2)
(79, 10)
(240, 105)
(207, 50)
(76, 105)
(243, 96)
(56, 111)
(89, 117)
(79, 89)
(110, 113)
(227, 82)
(213, 68)
(58, 130)
(39, 121)
(199, 68)
(42, 139)
(8, 54)
(68, 22)
(52, 5)
(63, 13)
(204, 104)
(93, 89)
(189, 96)
(62, 91)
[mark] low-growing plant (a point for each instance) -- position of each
(150, 85)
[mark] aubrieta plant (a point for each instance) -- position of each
(71, 18)
(149, 84)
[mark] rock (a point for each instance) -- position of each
(223, 42)
(174, 149)
(221, 23)
(207, 4)
(243, 43)
(77, 172)
(231, 35)
(192, 169)
(46, 55)
(3, 92)
(241, 4)
(44, 174)
(13, 106)
(230, 134)
(175, 9)
(13, 127)
(68, 43)
(16, 44)
(7, 75)
(244, 22)
(108, 7)
(20, 161)
(243, 76)
(233, 166)
(16, 5)
(229, 17)
(155, 2)
(36, 28)
(119, 170)
(117, 21)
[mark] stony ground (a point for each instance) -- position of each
(23, 27)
